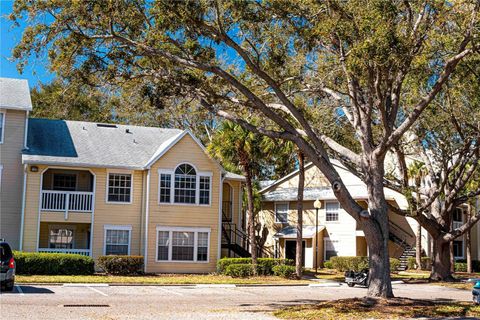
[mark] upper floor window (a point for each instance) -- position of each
(184, 185)
(119, 187)
(281, 212)
(2, 126)
(64, 181)
(332, 209)
(458, 215)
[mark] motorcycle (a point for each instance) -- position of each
(352, 278)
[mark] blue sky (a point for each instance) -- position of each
(36, 71)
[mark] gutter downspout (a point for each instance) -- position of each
(147, 207)
(22, 219)
(220, 201)
(26, 131)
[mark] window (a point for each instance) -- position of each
(202, 250)
(163, 243)
(330, 248)
(204, 190)
(185, 184)
(458, 215)
(332, 209)
(117, 240)
(281, 212)
(61, 238)
(119, 187)
(64, 181)
(165, 185)
(183, 244)
(2, 125)
(458, 249)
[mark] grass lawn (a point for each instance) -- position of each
(363, 308)
(173, 279)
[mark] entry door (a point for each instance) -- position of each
(291, 250)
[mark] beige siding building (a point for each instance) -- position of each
(99, 189)
(337, 233)
(15, 105)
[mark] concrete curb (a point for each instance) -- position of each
(242, 285)
(332, 284)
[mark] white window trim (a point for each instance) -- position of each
(1, 173)
(197, 186)
(275, 211)
(462, 240)
(116, 227)
(109, 172)
(195, 231)
(338, 212)
(4, 112)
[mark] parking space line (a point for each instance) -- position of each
(169, 291)
(98, 291)
(19, 290)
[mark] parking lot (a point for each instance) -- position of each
(183, 302)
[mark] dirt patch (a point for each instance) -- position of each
(361, 308)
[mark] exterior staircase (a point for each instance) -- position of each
(408, 250)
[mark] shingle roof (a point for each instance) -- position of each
(321, 193)
(15, 94)
(290, 232)
(96, 145)
(234, 176)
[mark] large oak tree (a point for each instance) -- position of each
(276, 59)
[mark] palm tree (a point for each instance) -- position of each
(237, 147)
(417, 171)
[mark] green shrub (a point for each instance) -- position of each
(38, 263)
(460, 266)
(264, 266)
(475, 265)
(349, 263)
(239, 270)
(426, 263)
(394, 264)
(124, 265)
(284, 271)
(328, 264)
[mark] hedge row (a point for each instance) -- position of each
(426, 263)
(121, 265)
(39, 263)
(264, 265)
(355, 263)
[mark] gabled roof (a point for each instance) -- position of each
(90, 144)
(15, 94)
(77, 143)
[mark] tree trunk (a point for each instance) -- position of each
(452, 257)
(251, 217)
(377, 234)
(468, 243)
(301, 182)
(418, 247)
(441, 264)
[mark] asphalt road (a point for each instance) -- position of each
(183, 302)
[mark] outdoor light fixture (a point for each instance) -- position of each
(34, 169)
(317, 205)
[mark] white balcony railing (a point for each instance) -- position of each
(83, 252)
(65, 201)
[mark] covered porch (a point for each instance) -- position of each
(285, 245)
(66, 190)
(65, 238)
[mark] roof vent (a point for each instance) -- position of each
(106, 125)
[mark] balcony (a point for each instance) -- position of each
(78, 201)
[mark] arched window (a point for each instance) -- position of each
(185, 184)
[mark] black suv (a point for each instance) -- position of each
(7, 275)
